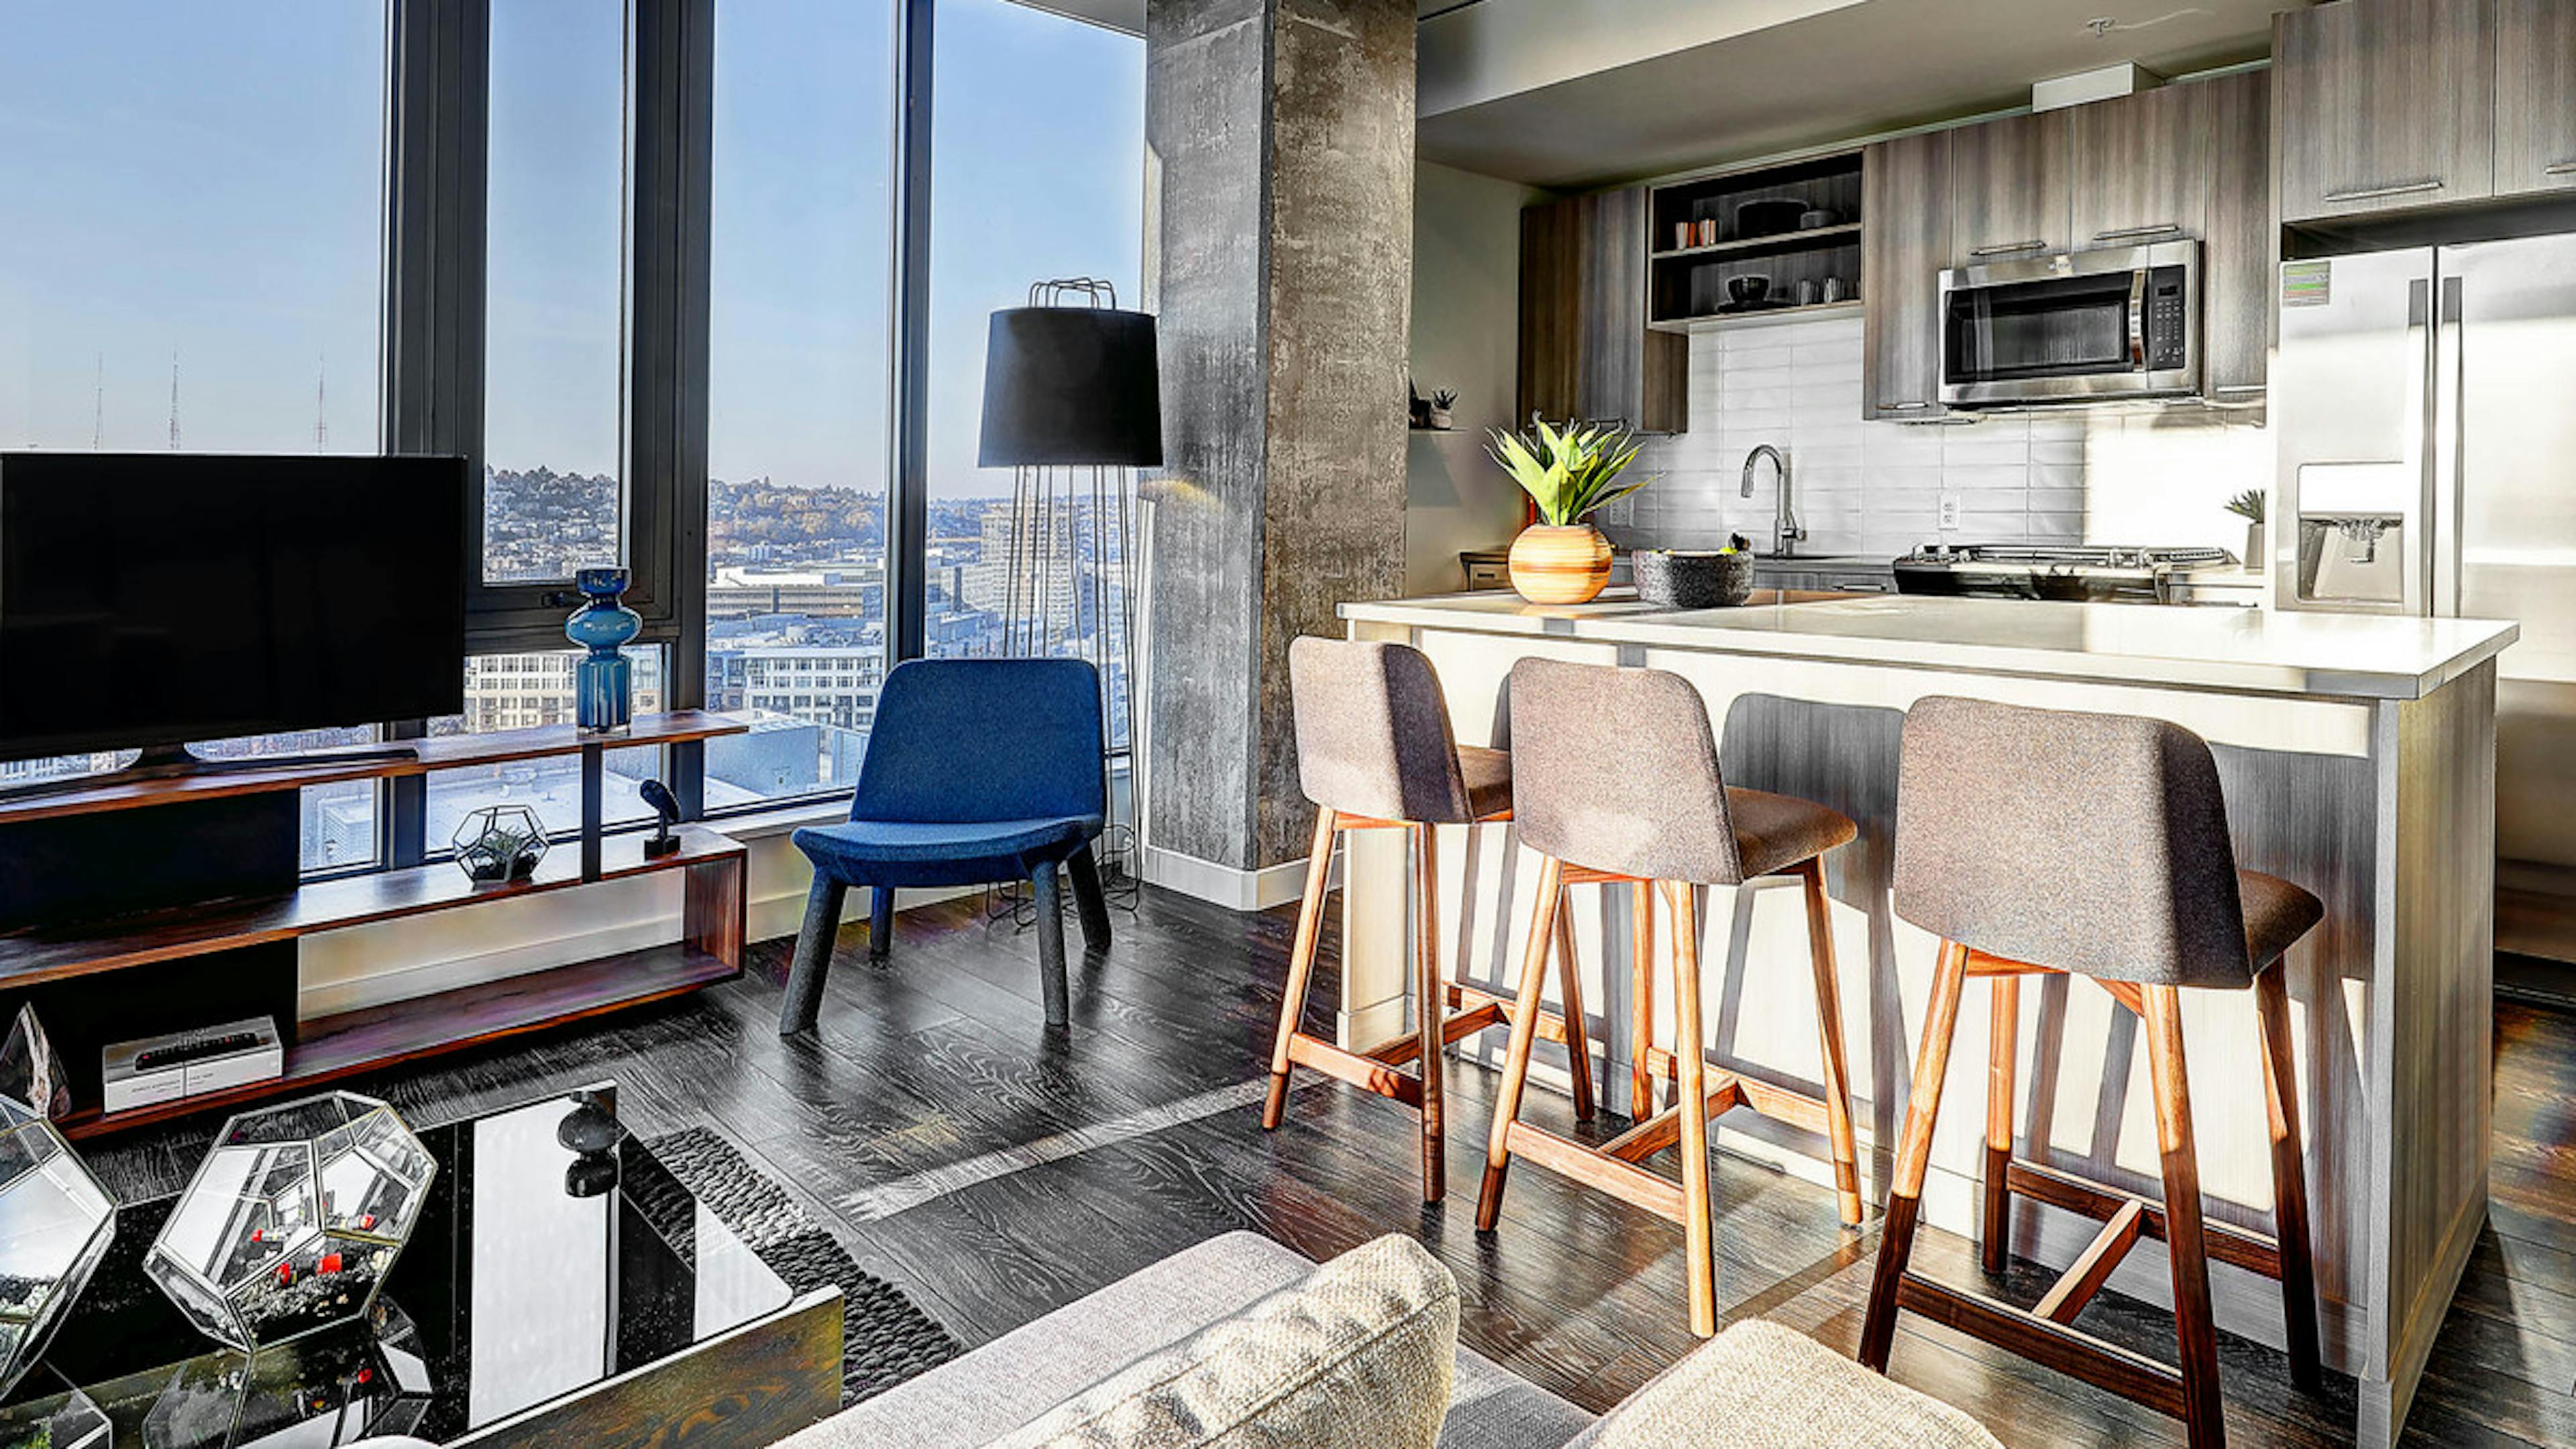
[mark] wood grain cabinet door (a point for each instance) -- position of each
(1585, 351)
(2240, 250)
(2383, 105)
(2535, 105)
(2141, 170)
(1904, 244)
(2009, 193)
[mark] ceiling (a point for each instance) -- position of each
(1831, 74)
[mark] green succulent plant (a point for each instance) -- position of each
(1570, 471)
(2247, 505)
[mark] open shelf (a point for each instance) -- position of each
(1844, 234)
(1766, 317)
(443, 752)
(51, 953)
(1687, 286)
(333, 1047)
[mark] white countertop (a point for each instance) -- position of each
(2252, 650)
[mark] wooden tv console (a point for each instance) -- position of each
(127, 972)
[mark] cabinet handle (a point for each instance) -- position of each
(2162, 228)
(2241, 387)
(2559, 168)
(2007, 248)
(1910, 407)
(2368, 193)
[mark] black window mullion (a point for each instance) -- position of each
(908, 503)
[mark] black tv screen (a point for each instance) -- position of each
(160, 598)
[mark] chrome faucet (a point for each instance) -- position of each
(1786, 535)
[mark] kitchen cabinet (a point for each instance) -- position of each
(2140, 171)
(2239, 246)
(2008, 188)
(1905, 242)
(1585, 350)
(2535, 102)
(2382, 105)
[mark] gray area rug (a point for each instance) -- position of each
(885, 1336)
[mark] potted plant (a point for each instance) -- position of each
(2248, 505)
(1444, 403)
(1567, 472)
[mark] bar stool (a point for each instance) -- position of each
(1375, 752)
(1618, 781)
(2097, 845)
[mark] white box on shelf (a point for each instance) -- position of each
(191, 1063)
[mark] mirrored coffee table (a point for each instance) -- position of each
(561, 1287)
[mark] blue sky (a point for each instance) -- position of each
(205, 180)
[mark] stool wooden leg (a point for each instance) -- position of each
(1301, 965)
(2289, 1176)
(1507, 1105)
(2201, 1416)
(1641, 1001)
(1913, 1156)
(1699, 1256)
(1829, 1037)
(2004, 1026)
(1431, 1010)
(1578, 1036)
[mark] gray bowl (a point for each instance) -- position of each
(1692, 579)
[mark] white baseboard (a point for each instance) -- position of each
(1227, 886)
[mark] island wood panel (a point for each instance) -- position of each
(441, 752)
(2308, 779)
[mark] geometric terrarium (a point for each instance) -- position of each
(55, 1222)
(293, 1220)
(499, 842)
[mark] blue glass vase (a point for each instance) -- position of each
(604, 681)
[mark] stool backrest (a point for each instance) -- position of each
(1616, 769)
(1373, 731)
(2093, 843)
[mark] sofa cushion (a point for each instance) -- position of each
(1360, 1354)
(1761, 1386)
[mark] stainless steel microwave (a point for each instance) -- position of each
(2072, 327)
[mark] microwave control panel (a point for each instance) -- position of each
(2168, 322)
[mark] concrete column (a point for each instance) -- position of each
(1280, 261)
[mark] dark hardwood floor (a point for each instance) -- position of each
(996, 1172)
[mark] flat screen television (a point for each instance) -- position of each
(149, 599)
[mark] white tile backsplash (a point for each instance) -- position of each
(1876, 488)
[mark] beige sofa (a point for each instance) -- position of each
(1241, 1342)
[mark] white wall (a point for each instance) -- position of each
(1466, 301)
(2097, 476)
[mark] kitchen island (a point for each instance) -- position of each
(2358, 757)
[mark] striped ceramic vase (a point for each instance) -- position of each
(1560, 563)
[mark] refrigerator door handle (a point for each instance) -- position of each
(2449, 450)
(2421, 406)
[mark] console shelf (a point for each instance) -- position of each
(199, 960)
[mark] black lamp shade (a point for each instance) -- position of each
(1071, 386)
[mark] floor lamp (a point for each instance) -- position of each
(1073, 406)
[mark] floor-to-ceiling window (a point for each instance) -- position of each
(1038, 138)
(801, 292)
(190, 258)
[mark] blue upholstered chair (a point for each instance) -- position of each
(978, 771)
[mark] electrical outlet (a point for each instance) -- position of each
(1949, 512)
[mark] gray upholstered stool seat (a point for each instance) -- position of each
(1375, 752)
(1616, 781)
(2046, 842)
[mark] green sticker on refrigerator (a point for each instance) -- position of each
(2307, 284)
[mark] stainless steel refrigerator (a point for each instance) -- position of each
(2424, 408)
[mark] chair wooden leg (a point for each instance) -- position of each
(1829, 1039)
(1301, 965)
(1641, 1001)
(2184, 1242)
(880, 922)
(2289, 1177)
(1050, 902)
(1507, 1105)
(2002, 1038)
(1578, 1038)
(1699, 1250)
(813, 955)
(1431, 1010)
(1913, 1156)
(1090, 902)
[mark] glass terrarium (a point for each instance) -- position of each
(293, 1220)
(499, 842)
(55, 1222)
